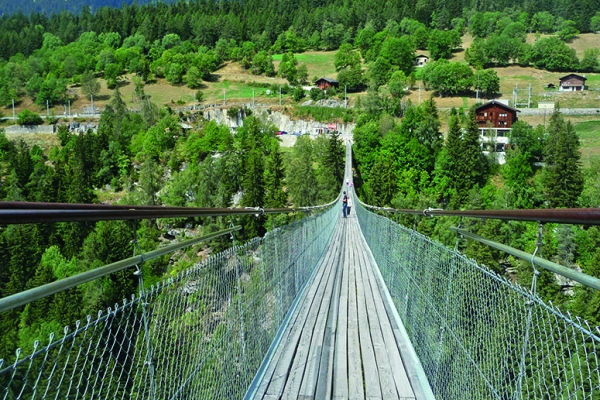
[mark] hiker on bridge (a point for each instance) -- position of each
(344, 203)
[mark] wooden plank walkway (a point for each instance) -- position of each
(340, 342)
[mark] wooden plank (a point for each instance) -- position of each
(285, 360)
(292, 386)
(369, 363)
(318, 343)
(355, 376)
(388, 325)
(386, 374)
(307, 296)
(340, 360)
(326, 369)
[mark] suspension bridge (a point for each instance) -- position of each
(323, 308)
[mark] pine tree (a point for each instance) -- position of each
(384, 181)
(562, 177)
(471, 167)
(334, 159)
(274, 179)
(254, 193)
(301, 174)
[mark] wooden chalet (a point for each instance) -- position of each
(572, 83)
(495, 115)
(326, 83)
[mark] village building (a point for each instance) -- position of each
(495, 120)
(572, 83)
(326, 83)
(421, 60)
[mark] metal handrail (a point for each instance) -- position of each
(28, 296)
(569, 273)
(583, 216)
(31, 213)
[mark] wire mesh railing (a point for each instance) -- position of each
(478, 335)
(201, 334)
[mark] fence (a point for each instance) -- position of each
(479, 336)
(202, 334)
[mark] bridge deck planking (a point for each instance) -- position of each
(299, 362)
(355, 377)
(340, 358)
(313, 363)
(403, 386)
(276, 375)
(386, 378)
(340, 343)
(370, 367)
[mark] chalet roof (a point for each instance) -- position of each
(572, 75)
(330, 80)
(497, 103)
(422, 55)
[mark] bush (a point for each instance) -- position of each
(316, 94)
(27, 117)
(298, 94)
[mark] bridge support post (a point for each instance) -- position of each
(149, 362)
(539, 244)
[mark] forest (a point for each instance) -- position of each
(43, 57)
(151, 158)
(402, 163)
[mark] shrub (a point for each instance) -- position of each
(27, 117)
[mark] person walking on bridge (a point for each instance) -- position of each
(349, 203)
(344, 203)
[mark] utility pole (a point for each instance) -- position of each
(194, 106)
(477, 90)
(69, 107)
(47, 109)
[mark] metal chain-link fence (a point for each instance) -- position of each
(479, 336)
(200, 335)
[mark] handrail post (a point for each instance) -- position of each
(138, 272)
(529, 303)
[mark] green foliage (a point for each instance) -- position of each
(542, 22)
(89, 84)
(488, 82)
(553, 54)
(298, 93)
(288, 67)
(590, 62)
(595, 22)
(441, 43)
(446, 77)
(568, 30)
(563, 178)
(300, 173)
(351, 78)
(27, 117)
(262, 63)
(346, 57)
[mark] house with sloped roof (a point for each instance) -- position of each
(572, 83)
(326, 83)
